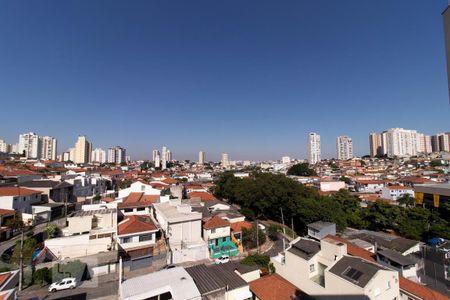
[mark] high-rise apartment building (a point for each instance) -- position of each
(116, 155)
(224, 160)
(154, 154)
(98, 156)
(313, 148)
(4, 147)
(427, 144)
(344, 147)
(48, 148)
(157, 160)
(376, 144)
(83, 150)
(401, 142)
(164, 158)
(201, 157)
(169, 155)
(30, 145)
(444, 141)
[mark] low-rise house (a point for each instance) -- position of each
(183, 229)
(323, 269)
(274, 287)
(138, 187)
(219, 282)
(137, 237)
(19, 199)
(393, 192)
(369, 186)
(52, 190)
(137, 203)
(173, 283)
(5, 215)
(405, 265)
(89, 232)
(329, 185)
(318, 230)
(8, 283)
(216, 231)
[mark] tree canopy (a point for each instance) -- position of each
(302, 169)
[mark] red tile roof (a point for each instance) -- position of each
(406, 285)
(237, 226)
(17, 191)
(215, 222)
(7, 212)
(204, 196)
(135, 224)
(274, 287)
(170, 181)
(138, 199)
(4, 277)
(107, 199)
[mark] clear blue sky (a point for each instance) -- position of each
(250, 78)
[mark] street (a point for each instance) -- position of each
(105, 286)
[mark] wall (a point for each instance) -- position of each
(219, 232)
(78, 225)
(77, 246)
(135, 240)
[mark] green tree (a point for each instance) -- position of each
(413, 223)
(301, 169)
(381, 215)
(345, 179)
(249, 239)
(97, 197)
(406, 200)
(29, 246)
(42, 276)
(52, 230)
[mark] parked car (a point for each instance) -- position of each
(63, 284)
(223, 259)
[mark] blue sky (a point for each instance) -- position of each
(250, 78)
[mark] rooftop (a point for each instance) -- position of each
(355, 270)
(319, 225)
(17, 191)
(84, 213)
(176, 281)
(274, 287)
(135, 224)
(176, 212)
(395, 257)
(215, 222)
(305, 249)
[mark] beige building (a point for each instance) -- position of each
(83, 150)
(323, 269)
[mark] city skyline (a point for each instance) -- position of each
(271, 78)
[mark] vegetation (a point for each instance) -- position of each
(125, 184)
(302, 169)
(75, 269)
(249, 237)
(264, 195)
(406, 200)
(256, 259)
(29, 245)
(52, 230)
(42, 276)
(345, 179)
(97, 197)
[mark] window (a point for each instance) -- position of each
(311, 268)
(140, 209)
(128, 210)
(142, 188)
(126, 240)
(145, 237)
(213, 230)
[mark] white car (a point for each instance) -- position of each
(223, 259)
(63, 284)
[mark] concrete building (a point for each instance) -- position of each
(116, 155)
(443, 141)
(183, 229)
(344, 147)
(401, 142)
(376, 145)
(320, 229)
(83, 151)
(154, 154)
(285, 160)
(427, 144)
(169, 155)
(224, 160)
(98, 156)
(164, 158)
(90, 231)
(19, 199)
(201, 157)
(48, 148)
(4, 147)
(323, 269)
(394, 192)
(30, 144)
(216, 231)
(314, 148)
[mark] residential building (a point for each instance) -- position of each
(444, 141)
(164, 158)
(154, 154)
(157, 161)
(138, 187)
(83, 150)
(393, 192)
(427, 144)
(19, 199)
(4, 147)
(137, 236)
(369, 186)
(116, 155)
(275, 287)
(15, 148)
(322, 269)
(314, 148)
(320, 229)
(201, 157)
(169, 155)
(30, 144)
(175, 283)
(90, 231)
(49, 148)
(224, 160)
(435, 143)
(344, 147)
(216, 231)
(183, 229)
(98, 156)
(376, 145)
(401, 142)
(285, 160)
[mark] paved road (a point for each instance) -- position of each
(277, 246)
(100, 287)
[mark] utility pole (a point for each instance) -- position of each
(292, 225)
(282, 221)
(257, 237)
(21, 262)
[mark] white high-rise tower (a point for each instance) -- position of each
(344, 147)
(313, 148)
(201, 157)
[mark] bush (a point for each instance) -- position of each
(256, 259)
(52, 230)
(42, 276)
(273, 231)
(249, 239)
